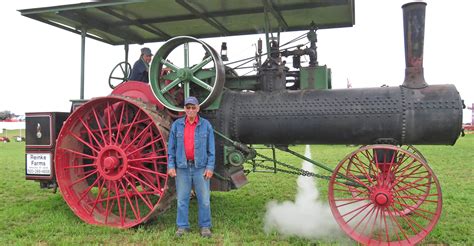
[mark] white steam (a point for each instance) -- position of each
(307, 216)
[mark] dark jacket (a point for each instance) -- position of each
(139, 71)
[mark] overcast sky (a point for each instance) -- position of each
(41, 63)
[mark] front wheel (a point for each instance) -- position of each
(383, 194)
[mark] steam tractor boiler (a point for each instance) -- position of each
(110, 154)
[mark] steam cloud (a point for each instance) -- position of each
(307, 216)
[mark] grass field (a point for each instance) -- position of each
(31, 216)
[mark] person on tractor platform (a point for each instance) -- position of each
(140, 68)
(191, 160)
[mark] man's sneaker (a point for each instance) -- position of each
(181, 231)
(206, 232)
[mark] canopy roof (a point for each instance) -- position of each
(141, 21)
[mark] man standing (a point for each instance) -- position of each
(140, 68)
(191, 158)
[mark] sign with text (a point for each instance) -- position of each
(38, 164)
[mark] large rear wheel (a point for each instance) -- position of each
(111, 158)
(383, 194)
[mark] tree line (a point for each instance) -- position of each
(6, 114)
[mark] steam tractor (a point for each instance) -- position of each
(108, 155)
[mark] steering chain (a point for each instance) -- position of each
(252, 152)
(296, 170)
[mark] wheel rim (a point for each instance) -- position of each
(119, 74)
(111, 162)
(393, 196)
(202, 78)
(415, 151)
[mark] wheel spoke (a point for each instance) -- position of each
(107, 209)
(363, 171)
(90, 133)
(146, 145)
(131, 125)
(406, 176)
(147, 203)
(84, 142)
(151, 158)
(99, 195)
(98, 124)
(84, 193)
(79, 153)
(170, 85)
(109, 125)
(201, 83)
(145, 191)
(81, 166)
(170, 76)
(122, 66)
(400, 228)
(205, 74)
(117, 193)
(170, 65)
(145, 183)
(127, 198)
(186, 55)
(119, 124)
(365, 217)
(161, 175)
(138, 135)
(200, 65)
(186, 89)
(83, 178)
(374, 221)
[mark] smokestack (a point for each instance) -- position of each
(414, 32)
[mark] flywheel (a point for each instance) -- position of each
(186, 66)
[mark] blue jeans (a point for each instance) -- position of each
(185, 179)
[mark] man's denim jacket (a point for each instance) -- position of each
(204, 148)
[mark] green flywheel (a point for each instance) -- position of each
(185, 66)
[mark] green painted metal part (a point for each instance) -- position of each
(215, 104)
(230, 156)
(140, 21)
(318, 77)
(242, 83)
(172, 83)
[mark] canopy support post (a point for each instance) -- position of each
(83, 55)
(126, 46)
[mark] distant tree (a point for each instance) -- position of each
(6, 114)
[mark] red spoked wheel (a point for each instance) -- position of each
(110, 162)
(420, 199)
(416, 152)
(383, 194)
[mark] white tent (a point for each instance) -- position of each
(11, 125)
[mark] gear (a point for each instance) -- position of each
(236, 158)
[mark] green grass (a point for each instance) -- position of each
(29, 215)
(11, 133)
